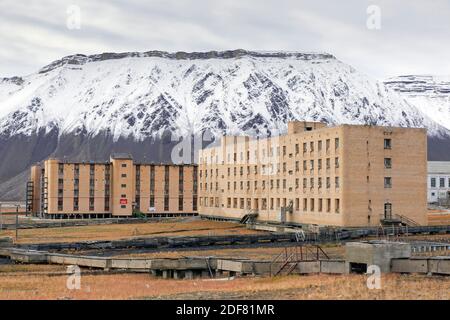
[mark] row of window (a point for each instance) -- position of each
(275, 151)
(275, 183)
(307, 147)
(274, 168)
(442, 182)
(123, 206)
(308, 204)
(271, 169)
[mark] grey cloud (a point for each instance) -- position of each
(413, 37)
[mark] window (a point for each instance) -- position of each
(387, 182)
(60, 169)
(388, 210)
(320, 205)
(336, 162)
(319, 145)
(442, 183)
(305, 204)
(328, 205)
(387, 163)
(180, 203)
(166, 203)
(124, 175)
(311, 205)
(304, 147)
(336, 182)
(311, 146)
(123, 185)
(336, 205)
(327, 145)
(297, 149)
(387, 143)
(194, 203)
(124, 165)
(433, 182)
(336, 143)
(123, 206)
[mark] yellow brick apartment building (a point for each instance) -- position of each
(117, 188)
(347, 175)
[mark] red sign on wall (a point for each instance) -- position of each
(123, 201)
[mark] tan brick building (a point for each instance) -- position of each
(115, 188)
(347, 175)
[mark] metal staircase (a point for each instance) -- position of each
(249, 217)
(287, 260)
(398, 220)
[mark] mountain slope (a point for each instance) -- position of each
(84, 107)
(430, 94)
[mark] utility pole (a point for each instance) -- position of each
(17, 222)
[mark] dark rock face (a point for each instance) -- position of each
(79, 59)
(439, 148)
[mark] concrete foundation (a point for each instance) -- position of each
(360, 255)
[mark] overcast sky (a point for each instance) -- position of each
(413, 38)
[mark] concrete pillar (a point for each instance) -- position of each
(166, 274)
(189, 274)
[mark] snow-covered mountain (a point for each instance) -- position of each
(430, 94)
(84, 107)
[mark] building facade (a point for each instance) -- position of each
(117, 188)
(348, 175)
(439, 182)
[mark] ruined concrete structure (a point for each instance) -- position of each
(347, 175)
(115, 188)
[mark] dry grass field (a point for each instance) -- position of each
(118, 231)
(438, 218)
(143, 286)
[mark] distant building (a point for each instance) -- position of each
(116, 188)
(439, 182)
(347, 175)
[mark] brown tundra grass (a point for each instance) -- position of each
(143, 286)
